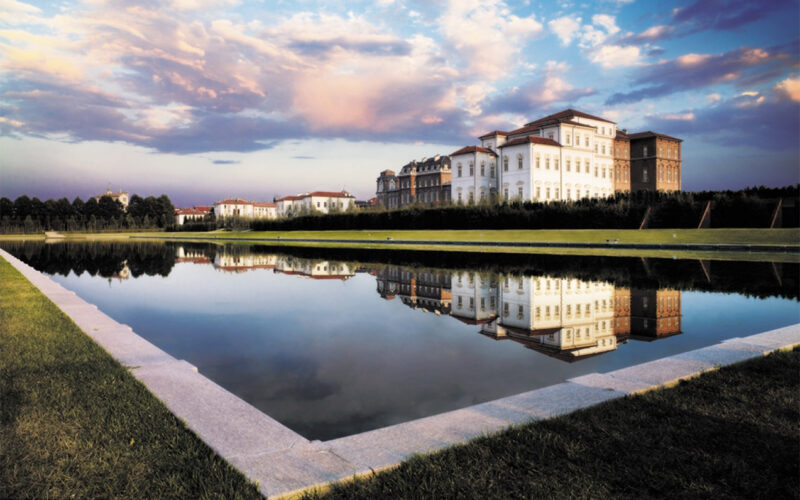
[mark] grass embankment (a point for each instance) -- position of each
(787, 236)
(729, 433)
(76, 423)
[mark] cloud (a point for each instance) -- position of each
(566, 28)
(616, 56)
(744, 66)
(764, 122)
(487, 36)
(532, 98)
(303, 157)
(726, 14)
(225, 162)
(789, 88)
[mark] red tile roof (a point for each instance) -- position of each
(524, 130)
(265, 204)
(642, 135)
(237, 201)
(330, 194)
(622, 136)
(493, 133)
(569, 113)
(289, 198)
(473, 149)
(204, 208)
(189, 211)
(531, 139)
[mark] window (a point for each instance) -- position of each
(568, 193)
(644, 151)
(547, 193)
(519, 192)
(538, 192)
(577, 139)
(520, 312)
(557, 194)
(491, 170)
(604, 149)
(547, 162)
(586, 165)
(595, 171)
(459, 196)
(471, 303)
(568, 164)
(555, 163)
(505, 193)
(550, 136)
(568, 138)
(505, 309)
(519, 162)
(483, 169)
(604, 172)
(537, 161)
(505, 163)
(586, 141)
(644, 175)
(471, 197)
(471, 169)
(458, 169)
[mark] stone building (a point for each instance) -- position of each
(318, 201)
(655, 162)
(565, 156)
(240, 207)
(121, 196)
(426, 182)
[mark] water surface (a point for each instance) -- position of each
(334, 342)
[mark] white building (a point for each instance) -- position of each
(318, 201)
(121, 196)
(183, 215)
(474, 175)
(564, 156)
(239, 207)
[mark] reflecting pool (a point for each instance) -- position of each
(331, 342)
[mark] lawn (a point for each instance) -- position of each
(729, 433)
(76, 423)
(788, 236)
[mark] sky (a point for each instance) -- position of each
(208, 99)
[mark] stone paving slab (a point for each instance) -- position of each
(282, 461)
(294, 469)
(662, 372)
(718, 356)
(604, 381)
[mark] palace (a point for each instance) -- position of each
(123, 197)
(568, 155)
(319, 201)
(239, 207)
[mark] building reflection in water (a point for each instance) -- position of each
(565, 318)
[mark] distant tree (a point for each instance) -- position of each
(22, 207)
(6, 207)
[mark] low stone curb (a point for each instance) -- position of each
(282, 461)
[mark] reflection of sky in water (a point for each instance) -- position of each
(330, 358)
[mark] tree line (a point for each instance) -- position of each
(753, 207)
(31, 215)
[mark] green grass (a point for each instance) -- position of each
(790, 236)
(732, 433)
(76, 423)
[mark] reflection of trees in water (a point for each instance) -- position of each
(101, 258)
(759, 279)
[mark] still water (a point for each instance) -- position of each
(334, 342)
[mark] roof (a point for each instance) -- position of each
(189, 211)
(204, 208)
(289, 198)
(642, 135)
(622, 136)
(234, 201)
(531, 139)
(387, 172)
(569, 113)
(264, 204)
(330, 194)
(473, 149)
(493, 133)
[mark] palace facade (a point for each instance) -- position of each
(564, 156)
(239, 207)
(318, 201)
(426, 182)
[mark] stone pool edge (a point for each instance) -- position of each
(283, 462)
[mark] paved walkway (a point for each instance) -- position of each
(282, 461)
